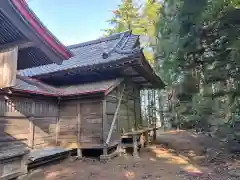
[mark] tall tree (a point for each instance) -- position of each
(198, 49)
(126, 17)
(141, 19)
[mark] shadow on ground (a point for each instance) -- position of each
(159, 161)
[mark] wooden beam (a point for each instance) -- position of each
(58, 120)
(141, 82)
(105, 125)
(135, 115)
(130, 95)
(19, 44)
(32, 127)
(118, 82)
(134, 76)
(135, 146)
(128, 113)
(115, 116)
(79, 151)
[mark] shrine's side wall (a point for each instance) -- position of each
(129, 115)
(27, 122)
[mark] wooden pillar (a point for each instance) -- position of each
(146, 108)
(79, 150)
(105, 126)
(135, 114)
(141, 105)
(31, 132)
(146, 136)
(58, 121)
(149, 108)
(129, 125)
(135, 146)
(32, 127)
(154, 115)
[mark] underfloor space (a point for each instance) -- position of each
(164, 160)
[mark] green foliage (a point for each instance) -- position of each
(195, 48)
(200, 40)
(126, 17)
(141, 20)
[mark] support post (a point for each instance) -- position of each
(146, 108)
(155, 116)
(129, 128)
(115, 117)
(58, 120)
(105, 128)
(31, 132)
(146, 136)
(135, 115)
(32, 127)
(135, 146)
(79, 150)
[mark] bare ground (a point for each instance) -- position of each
(175, 155)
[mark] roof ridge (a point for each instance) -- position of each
(119, 49)
(99, 40)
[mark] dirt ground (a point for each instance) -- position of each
(174, 156)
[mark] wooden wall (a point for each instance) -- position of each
(130, 111)
(27, 122)
(111, 106)
(85, 115)
(67, 125)
(91, 123)
(71, 123)
(129, 116)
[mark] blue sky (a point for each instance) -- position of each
(74, 21)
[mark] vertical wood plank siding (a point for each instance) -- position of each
(68, 128)
(26, 122)
(80, 129)
(129, 114)
(38, 123)
(91, 123)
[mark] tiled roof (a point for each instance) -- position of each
(100, 51)
(36, 45)
(25, 84)
(30, 17)
(30, 85)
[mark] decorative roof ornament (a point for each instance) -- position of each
(118, 47)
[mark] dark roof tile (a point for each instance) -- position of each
(25, 84)
(89, 53)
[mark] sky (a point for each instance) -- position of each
(74, 21)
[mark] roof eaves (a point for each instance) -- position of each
(35, 92)
(42, 85)
(23, 10)
(118, 62)
(148, 68)
(83, 93)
